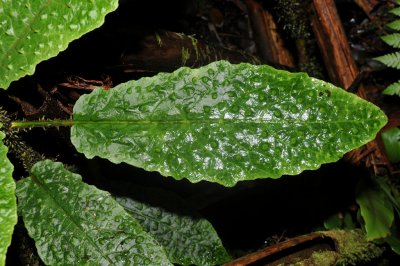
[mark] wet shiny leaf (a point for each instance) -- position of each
(73, 223)
(8, 202)
(224, 123)
(187, 240)
(32, 31)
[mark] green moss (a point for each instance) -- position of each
(324, 258)
(158, 39)
(194, 44)
(292, 15)
(353, 248)
(185, 55)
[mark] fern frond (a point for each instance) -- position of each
(392, 39)
(395, 25)
(391, 60)
(395, 11)
(393, 89)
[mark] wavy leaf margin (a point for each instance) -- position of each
(8, 202)
(224, 123)
(33, 31)
(74, 223)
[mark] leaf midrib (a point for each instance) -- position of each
(217, 121)
(77, 225)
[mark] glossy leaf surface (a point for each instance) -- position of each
(187, 240)
(32, 31)
(376, 210)
(224, 123)
(73, 223)
(8, 202)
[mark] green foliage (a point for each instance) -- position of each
(395, 25)
(224, 123)
(187, 240)
(392, 39)
(376, 210)
(339, 221)
(391, 141)
(32, 31)
(393, 89)
(379, 200)
(396, 11)
(73, 223)
(8, 203)
(393, 195)
(394, 243)
(393, 59)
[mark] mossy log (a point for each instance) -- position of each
(326, 248)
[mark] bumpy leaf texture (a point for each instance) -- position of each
(73, 223)
(187, 240)
(224, 123)
(32, 31)
(8, 202)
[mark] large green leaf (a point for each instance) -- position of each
(8, 202)
(34, 30)
(187, 240)
(376, 210)
(73, 223)
(224, 123)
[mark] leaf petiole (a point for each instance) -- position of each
(42, 123)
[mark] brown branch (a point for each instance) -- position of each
(272, 250)
(270, 44)
(343, 71)
(333, 43)
(367, 5)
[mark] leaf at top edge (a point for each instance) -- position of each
(8, 202)
(376, 210)
(187, 240)
(73, 223)
(224, 123)
(33, 31)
